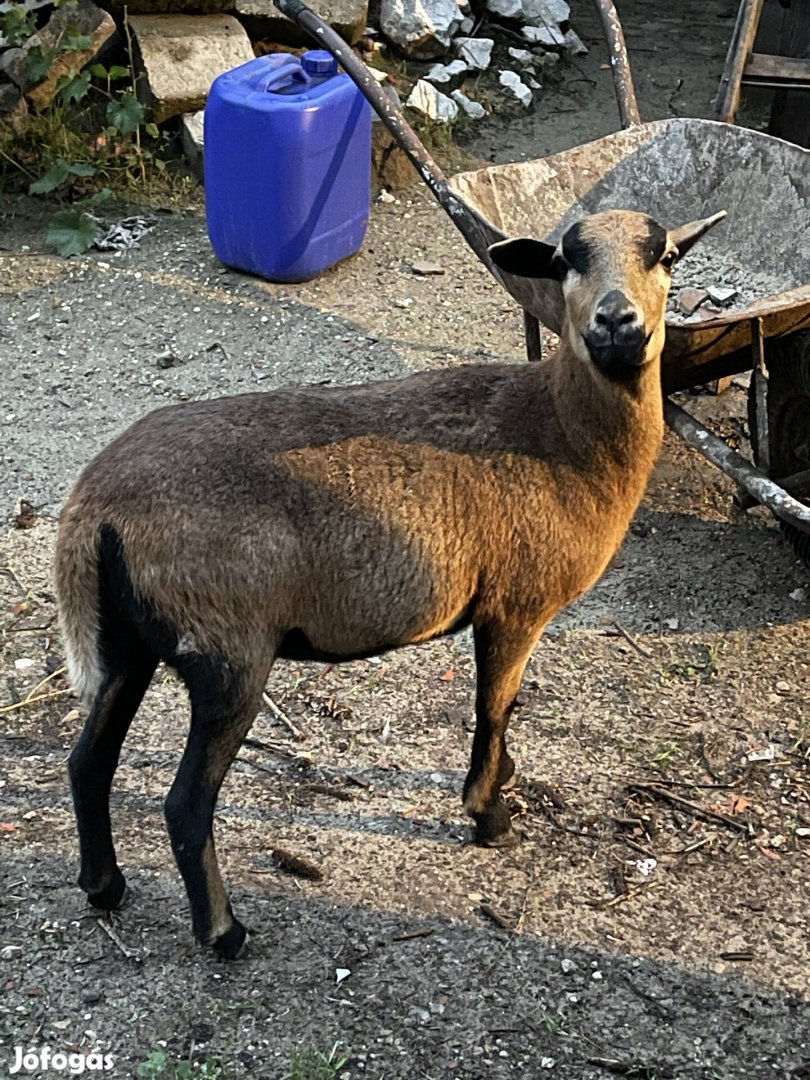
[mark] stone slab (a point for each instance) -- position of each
(179, 56)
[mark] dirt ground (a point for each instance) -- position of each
(630, 934)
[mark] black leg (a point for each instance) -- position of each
(500, 657)
(92, 765)
(223, 707)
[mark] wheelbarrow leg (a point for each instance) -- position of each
(531, 328)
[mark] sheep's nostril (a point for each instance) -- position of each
(614, 312)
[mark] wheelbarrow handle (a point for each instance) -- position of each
(619, 63)
(391, 115)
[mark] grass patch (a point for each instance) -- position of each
(309, 1063)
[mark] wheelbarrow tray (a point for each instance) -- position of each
(676, 170)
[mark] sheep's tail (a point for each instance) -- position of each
(77, 591)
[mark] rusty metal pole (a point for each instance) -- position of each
(619, 64)
(734, 465)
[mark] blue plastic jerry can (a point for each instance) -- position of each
(287, 166)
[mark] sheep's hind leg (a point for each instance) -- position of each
(92, 766)
(500, 656)
(224, 703)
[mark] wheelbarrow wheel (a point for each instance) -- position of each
(788, 398)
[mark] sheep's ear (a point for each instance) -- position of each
(687, 235)
(525, 257)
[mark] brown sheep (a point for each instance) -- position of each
(336, 523)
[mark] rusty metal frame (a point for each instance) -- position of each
(753, 480)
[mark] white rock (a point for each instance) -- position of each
(533, 83)
(535, 12)
(575, 44)
(422, 29)
(544, 35)
(473, 109)
(475, 52)
(721, 294)
(546, 12)
(429, 101)
(512, 81)
(798, 594)
(192, 139)
(376, 74)
(445, 73)
(467, 25)
(523, 56)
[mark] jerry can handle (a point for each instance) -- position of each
(286, 71)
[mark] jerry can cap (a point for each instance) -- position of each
(319, 62)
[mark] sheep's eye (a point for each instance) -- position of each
(669, 260)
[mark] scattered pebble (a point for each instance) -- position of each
(425, 268)
(725, 282)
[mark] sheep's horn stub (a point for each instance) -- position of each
(687, 235)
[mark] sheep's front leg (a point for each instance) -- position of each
(501, 654)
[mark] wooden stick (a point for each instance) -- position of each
(412, 934)
(632, 641)
(696, 808)
(130, 954)
(282, 716)
(33, 700)
(491, 913)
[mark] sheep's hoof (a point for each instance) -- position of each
(111, 896)
(230, 944)
(494, 828)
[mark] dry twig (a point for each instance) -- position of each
(632, 641)
(279, 714)
(130, 954)
(696, 808)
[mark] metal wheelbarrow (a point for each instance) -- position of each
(677, 169)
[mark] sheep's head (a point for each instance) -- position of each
(615, 269)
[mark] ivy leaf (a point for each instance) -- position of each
(17, 25)
(118, 72)
(98, 71)
(57, 174)
(74, 87)
(51, 180)
(73, 41)
(125, 114)
(71, 232)
(152, 129)
(38, 63)
(98, 197)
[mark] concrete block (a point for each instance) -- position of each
(179, 57)
(263, 20)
